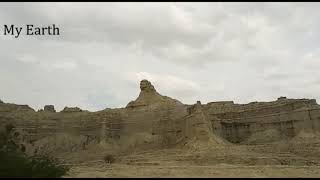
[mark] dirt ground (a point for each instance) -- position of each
(297, 157)
(221, 170)
(238, 161)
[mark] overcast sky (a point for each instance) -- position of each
(190, 51)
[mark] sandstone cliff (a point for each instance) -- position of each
(157, 121)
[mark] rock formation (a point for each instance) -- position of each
(71, 109)
(197, 125)
(8, 107)
(154, 120)
(49, 108)
(148, 96)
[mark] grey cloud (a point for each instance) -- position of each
(211, 51)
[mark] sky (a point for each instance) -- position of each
(218, 51)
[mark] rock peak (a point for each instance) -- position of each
(148, 95)
(49, 108)
(146, 86)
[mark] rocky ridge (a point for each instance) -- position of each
(155, 122)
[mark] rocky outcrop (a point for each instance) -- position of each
(71, 110)
(197, 125)
(49, 108)
(7, 107)
(1, 102)
(149, 96)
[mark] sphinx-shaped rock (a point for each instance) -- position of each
(148, 95)
(49, 108)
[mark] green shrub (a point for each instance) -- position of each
(15, 163)
(109, 159)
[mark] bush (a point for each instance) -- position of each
(15, 163)
(109, 159)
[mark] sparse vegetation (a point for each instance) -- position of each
(109, 159)
(15, 163)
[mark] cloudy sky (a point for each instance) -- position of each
(190, 51)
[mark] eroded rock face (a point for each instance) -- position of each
(197, 124)
(61, 143)
(49, 108)
(154, 120)
(266, 136)
(1, 101)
